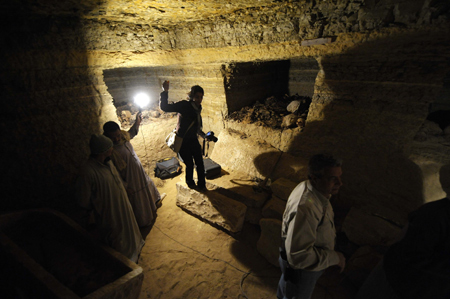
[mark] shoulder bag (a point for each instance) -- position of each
(174, 141)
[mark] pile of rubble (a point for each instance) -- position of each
(290, 112)
(127, 114)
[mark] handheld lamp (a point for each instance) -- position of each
(141, 99)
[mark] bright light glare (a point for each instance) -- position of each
(141, 99)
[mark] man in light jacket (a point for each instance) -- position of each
(308, 231)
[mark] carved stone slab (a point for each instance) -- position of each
(212, 207)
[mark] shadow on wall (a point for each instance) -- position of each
(50, 105)
(369, 102)
(444, 179)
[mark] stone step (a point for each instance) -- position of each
(270, 240)
(240, 187)
(212, 207)
(244, 189)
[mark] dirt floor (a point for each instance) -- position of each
(185, 257)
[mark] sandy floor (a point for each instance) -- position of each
(185, 257)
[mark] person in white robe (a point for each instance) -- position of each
(142, 192)
(100, 190)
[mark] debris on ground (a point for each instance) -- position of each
(289, 112)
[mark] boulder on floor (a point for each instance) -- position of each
(212, 207)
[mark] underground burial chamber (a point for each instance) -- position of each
(378, 81)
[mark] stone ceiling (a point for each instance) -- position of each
(161, 12)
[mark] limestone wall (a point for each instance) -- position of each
(265, 24)
(51, 106)
(302, 76)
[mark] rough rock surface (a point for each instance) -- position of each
(239, 187)
(269, 241)
(282, 188)
(369, 229)
(255, 157)
(247, 154)
(274, 208)
(212, 207)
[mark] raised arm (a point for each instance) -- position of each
(164, 99)
(134, 130)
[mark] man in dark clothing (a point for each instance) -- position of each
(188, 126)
(417, 266)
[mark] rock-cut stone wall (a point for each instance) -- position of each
(52, 103)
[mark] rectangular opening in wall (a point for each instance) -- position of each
(247, 83)
(302, 76)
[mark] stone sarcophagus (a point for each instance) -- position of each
(44, 254)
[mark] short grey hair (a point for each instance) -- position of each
(318, 163)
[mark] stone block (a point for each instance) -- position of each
(242, 189)
(291, 167)
(274, 208)
(363, 228)
(289, 121)
(75, 265)
(270, 240)
(293, 106)
(253, 215)
(282, 188)
(212, 207)
(242, 153)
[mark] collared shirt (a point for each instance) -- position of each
(308, 229)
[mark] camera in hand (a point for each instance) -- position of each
(210, 136)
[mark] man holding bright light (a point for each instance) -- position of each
(142, 192)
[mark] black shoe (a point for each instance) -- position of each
(192, 185)
(202, 188)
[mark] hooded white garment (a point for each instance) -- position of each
(144, 194)
(100, 188)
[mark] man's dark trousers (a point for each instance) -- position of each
(191, 152)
